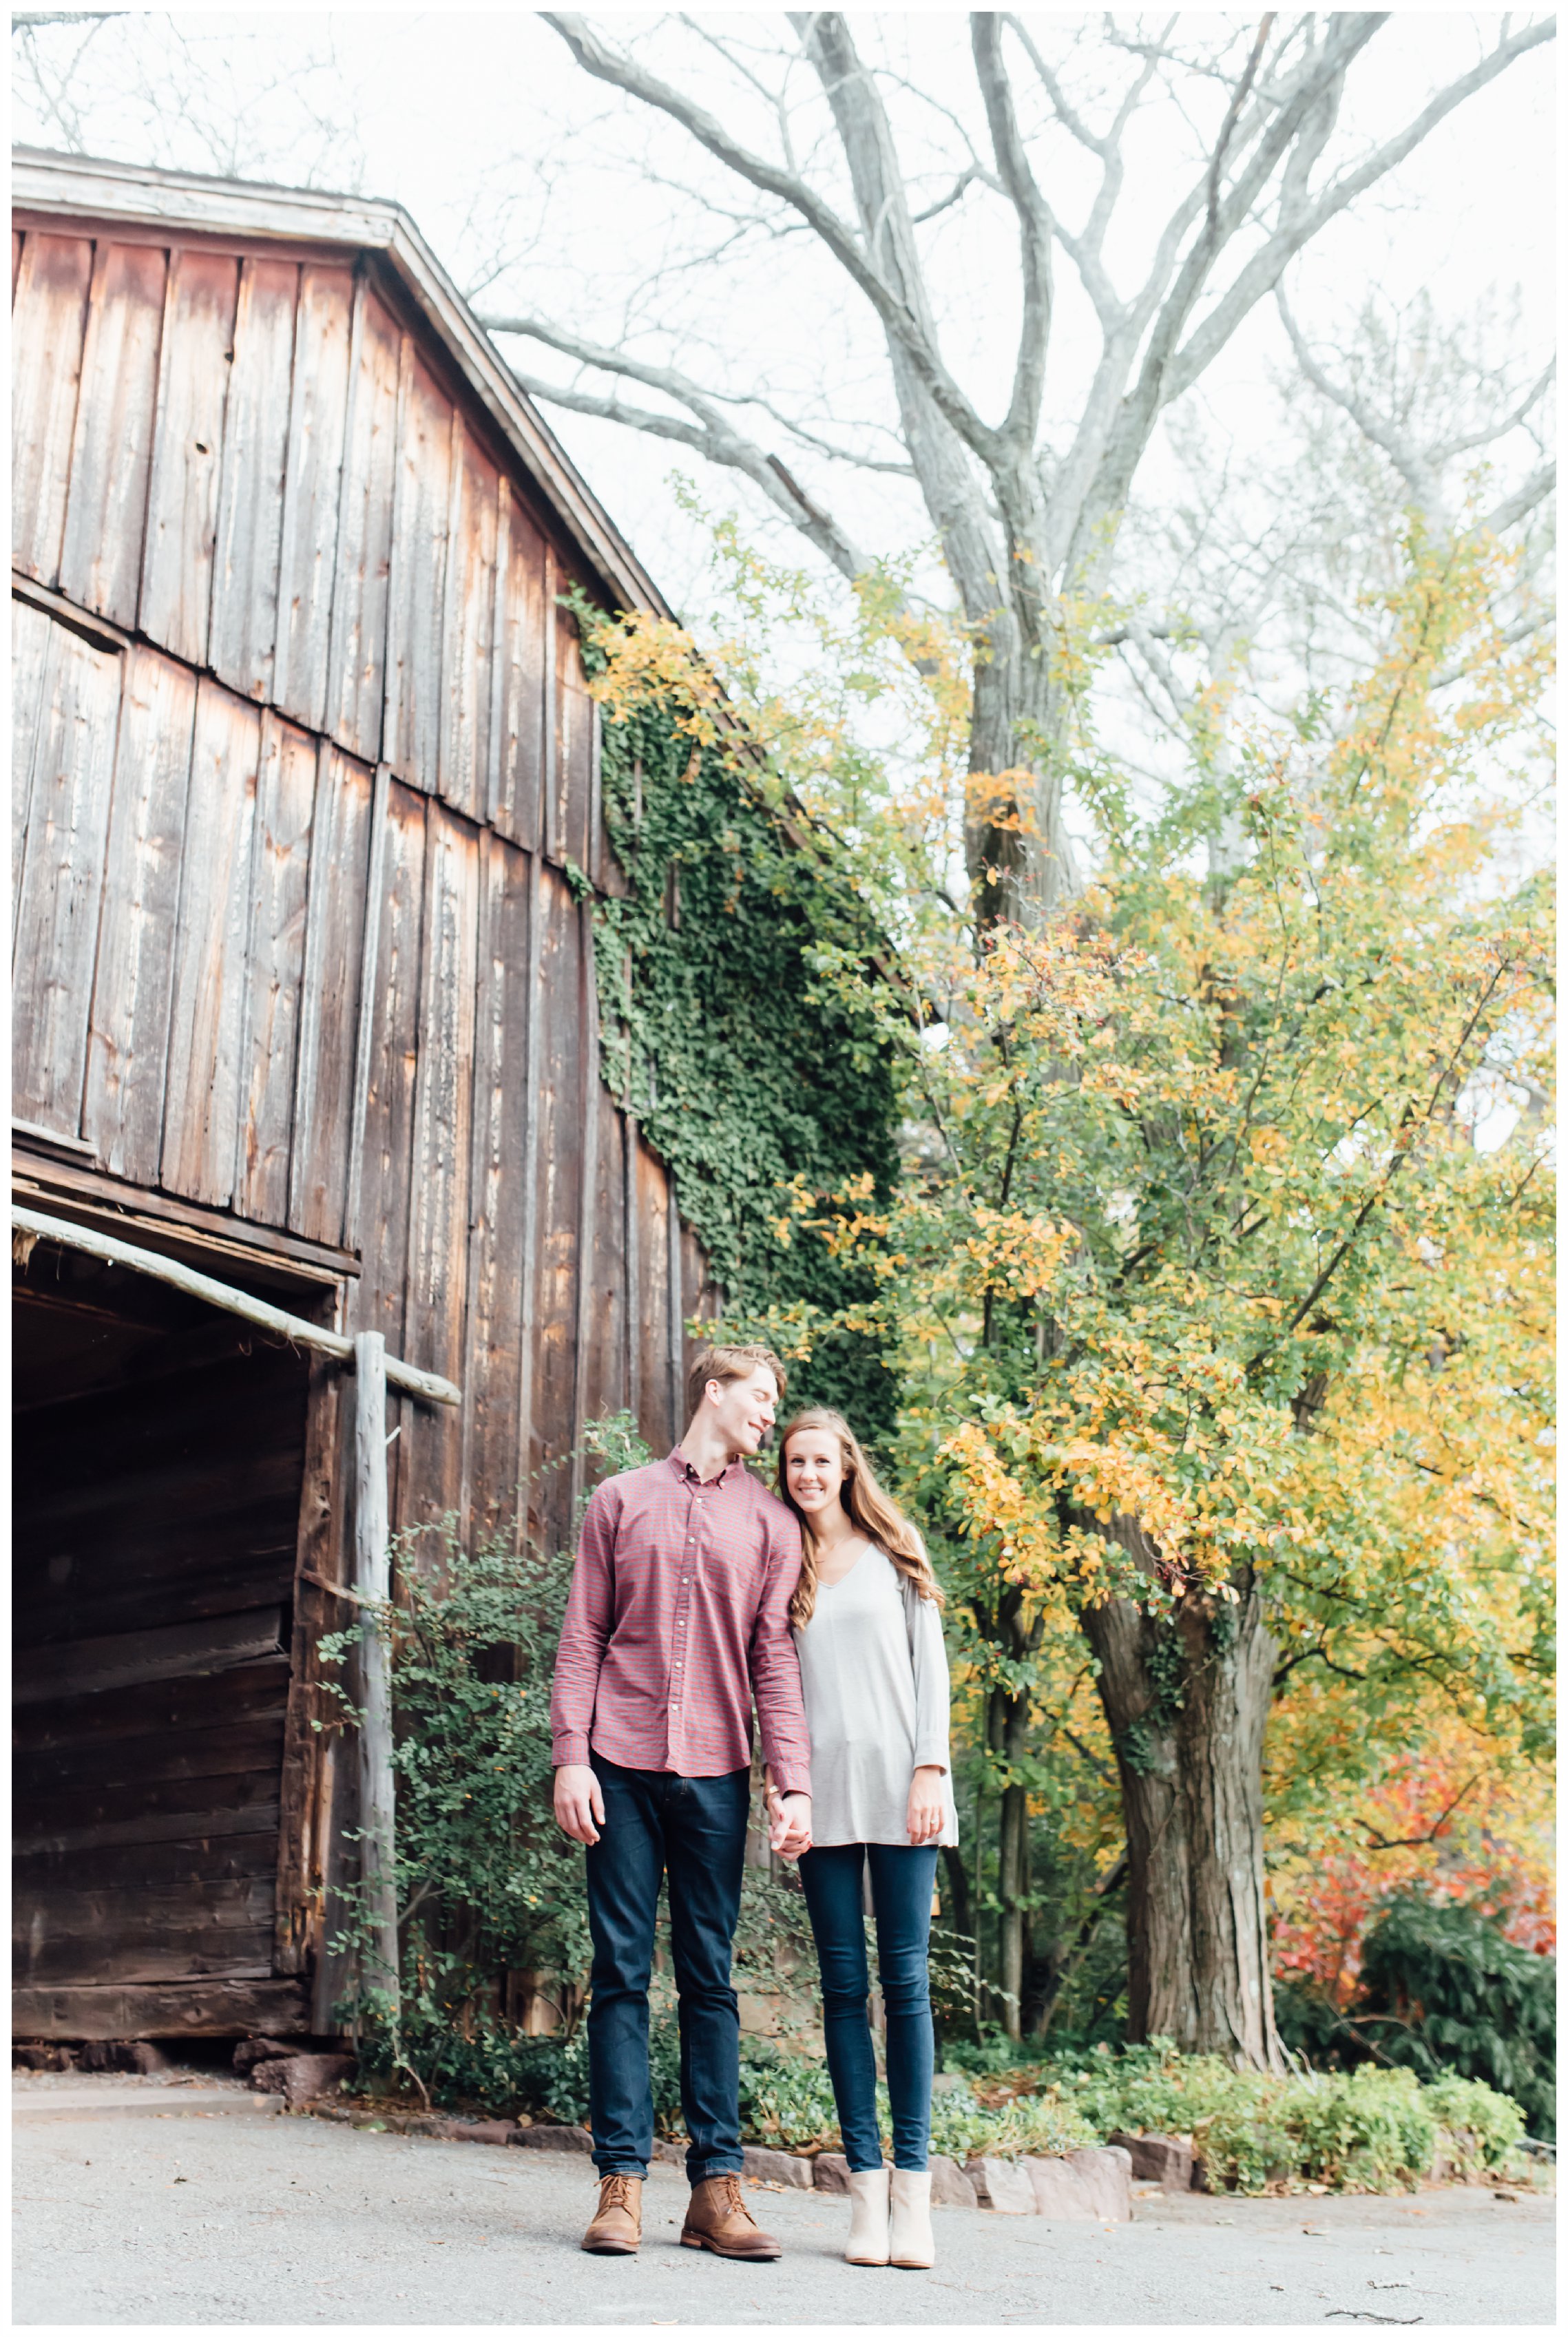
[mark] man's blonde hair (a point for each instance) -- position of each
(726, 1364)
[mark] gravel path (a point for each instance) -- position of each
(132, 2219)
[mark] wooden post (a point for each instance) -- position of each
(373, 1580)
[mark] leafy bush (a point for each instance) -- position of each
(1026, 2125)
(1372, 2130)
(1480, 2129)
(786, 2098)
(1445, 1990)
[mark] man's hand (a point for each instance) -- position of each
(928, 1811)
(579, 1803)
(789, 1823)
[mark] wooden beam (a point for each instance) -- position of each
(60, 1183)
(427, 1385)
(126, 1658)
(373, 1586)
(181, 2008)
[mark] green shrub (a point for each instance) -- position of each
(1480, 2129)
(786, 2098)
(1371, 2130)
(1444, 1991)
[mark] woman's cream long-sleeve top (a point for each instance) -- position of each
(874, 1671)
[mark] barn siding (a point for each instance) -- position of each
(356, 670)
(49, 317)
(246, 998)
(251, 494)
(59, 876)
(176, 601)
(302, 803)
(112, 454)
(134, 985)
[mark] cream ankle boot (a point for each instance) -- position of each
(867, 2218)
(911, 2242)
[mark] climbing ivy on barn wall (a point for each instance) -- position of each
(749, 1065)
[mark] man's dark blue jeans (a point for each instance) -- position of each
(901, 1884)
(692, 1829)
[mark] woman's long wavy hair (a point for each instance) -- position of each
(870, 1510)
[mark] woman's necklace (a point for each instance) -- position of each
(833, 1559)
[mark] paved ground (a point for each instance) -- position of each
(141, 2218)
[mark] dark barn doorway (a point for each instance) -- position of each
(159, 1457)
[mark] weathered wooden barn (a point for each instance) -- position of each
(305, 842)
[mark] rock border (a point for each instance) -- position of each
(1090, 2187)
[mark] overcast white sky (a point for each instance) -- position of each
(481, 124)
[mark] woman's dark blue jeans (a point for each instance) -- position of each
(692, 1829)
(901, 1885)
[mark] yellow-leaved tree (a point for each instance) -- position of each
(1223, 1316)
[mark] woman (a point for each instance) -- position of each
(867, 1628)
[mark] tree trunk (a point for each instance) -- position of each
(1012, 1886)
(1187, 1702)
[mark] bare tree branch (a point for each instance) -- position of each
(1263, 272)
(624, 73)
(716, 438)
(1033, 230)
(1521, 501)
(1411, 465)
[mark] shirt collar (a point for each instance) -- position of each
(688, 1475)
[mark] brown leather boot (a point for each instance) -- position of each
(617, 2226)
(718, 2219)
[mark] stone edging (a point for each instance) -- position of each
(1089, 2186)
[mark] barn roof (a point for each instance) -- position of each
(72, 186)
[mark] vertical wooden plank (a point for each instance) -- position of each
(631, 1204)
(133, 991)
(106, 516)
(603, 1363)
(284, 806)
(574, 751)
(312, 492)
(176, 597)
(245, 566)
(676, 1350)
(491, 1375)
(373, 1583)
(415, 712)
(30, 634)
(48, 318)
(301, 1920)
(387, 1146)
(355, 664)
(550, 764)
(587, 1191)
(430, 1464)
(529, 1520)
(659, 1425)
(207, 1019)
(59, 878)
(365, 1035)
(561, 1138)
(465, 763)
(516, 800)
(332, 999)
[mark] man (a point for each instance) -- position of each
(677, 1620)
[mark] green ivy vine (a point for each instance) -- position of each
(724, 1030)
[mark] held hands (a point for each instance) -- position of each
(579, 1803)
(789, 1820)
(927, 1812)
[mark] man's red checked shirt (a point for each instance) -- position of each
(679, 1617)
